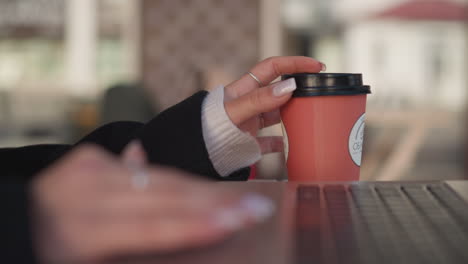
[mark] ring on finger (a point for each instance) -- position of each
(260, 83)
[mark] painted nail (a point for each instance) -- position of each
(230, 219)
(284, 87)
(252, 207)
(324, 66)
(257, 207)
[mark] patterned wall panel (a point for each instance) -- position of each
(183, 40)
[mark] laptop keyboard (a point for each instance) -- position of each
(381, 223)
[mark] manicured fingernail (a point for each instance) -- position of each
(230, 219)
(252, 207)
(284, 87)
(258, 207)
(324, 66)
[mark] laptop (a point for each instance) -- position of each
(358, 222)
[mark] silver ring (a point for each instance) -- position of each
(140, 178)
(256, 79)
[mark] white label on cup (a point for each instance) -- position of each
(356, 138)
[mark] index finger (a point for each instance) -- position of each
(270, 69)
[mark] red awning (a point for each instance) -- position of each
(427, 10)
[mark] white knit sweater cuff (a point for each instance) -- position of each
(229, 148)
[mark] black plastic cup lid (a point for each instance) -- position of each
(319, 84)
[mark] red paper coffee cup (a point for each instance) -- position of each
(324, 126)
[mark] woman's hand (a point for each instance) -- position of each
(88, 207)
(251, 107)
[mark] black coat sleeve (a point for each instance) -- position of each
(15, 224)
(173, 138)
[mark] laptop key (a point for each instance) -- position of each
(445, 236)
(308, 246)
(339, 212)
(454, 204)
(405, 224)
(391, 243)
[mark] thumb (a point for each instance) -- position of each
(261, 100)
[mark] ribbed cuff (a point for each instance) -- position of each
(229, 148)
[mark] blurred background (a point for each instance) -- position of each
(68, 66)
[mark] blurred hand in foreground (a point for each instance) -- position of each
(91, 206)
